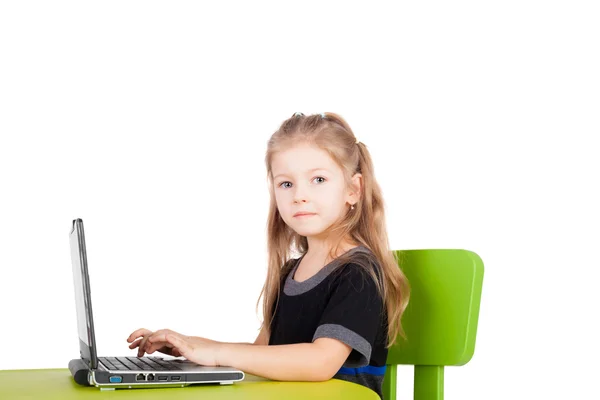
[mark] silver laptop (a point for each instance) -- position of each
(126, 372)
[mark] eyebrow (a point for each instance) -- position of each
(310, 170)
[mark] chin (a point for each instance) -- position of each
(308, 232)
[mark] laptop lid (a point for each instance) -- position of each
(83, 299)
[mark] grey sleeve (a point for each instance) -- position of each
(353, 315)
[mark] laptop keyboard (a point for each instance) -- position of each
(138, 363)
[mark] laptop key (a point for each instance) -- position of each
(168, 364)
(149, 363)
(107, 363)
(157, 365)
(139, 367)
(126, 364)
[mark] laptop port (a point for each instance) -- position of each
(175, 378)
(150, 377)
(140, 377)
(162, 378)
(115, 379)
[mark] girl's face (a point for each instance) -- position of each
(307, 180)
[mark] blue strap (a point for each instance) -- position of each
(369, 369)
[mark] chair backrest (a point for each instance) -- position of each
(440, 320)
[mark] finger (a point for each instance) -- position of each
(165, 350)
(180, 345)
(161, 335)
(136, 334)
(155, 337)
(149, 339)
(175, 352)
(169, 350)
(143, 346)
(135, 344)
(156, 346)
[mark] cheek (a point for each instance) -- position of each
(281, 203)
(332, 200)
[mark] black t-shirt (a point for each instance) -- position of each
(342, 302)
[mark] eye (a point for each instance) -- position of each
(283, 183)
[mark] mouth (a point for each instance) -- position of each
(303, 215)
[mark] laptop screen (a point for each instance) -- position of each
(83, 302)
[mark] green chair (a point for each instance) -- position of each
(440, 320)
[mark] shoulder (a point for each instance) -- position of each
(360, 266)
(355, 274)
(357, 278)
(355, 289)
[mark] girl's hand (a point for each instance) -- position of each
(196, 349)
(140, 340)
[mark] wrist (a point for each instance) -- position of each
(222, 352)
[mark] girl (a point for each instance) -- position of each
(334, 311)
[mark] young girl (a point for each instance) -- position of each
(334, 311)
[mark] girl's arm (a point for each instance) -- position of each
(261, 339)
(317, 361)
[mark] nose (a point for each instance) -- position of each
(300, 195)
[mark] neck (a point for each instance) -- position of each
(322, 247)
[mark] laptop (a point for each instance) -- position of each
(126, 372)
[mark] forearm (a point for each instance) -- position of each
(291, 362)
(215, 341)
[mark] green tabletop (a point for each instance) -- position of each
(58, 384)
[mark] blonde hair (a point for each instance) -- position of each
(364, 225)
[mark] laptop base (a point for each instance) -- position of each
(83, 376)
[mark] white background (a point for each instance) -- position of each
(149, 120)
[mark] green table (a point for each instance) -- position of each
(58, 384)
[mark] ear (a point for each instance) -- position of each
(353, 195)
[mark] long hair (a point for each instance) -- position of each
(364, 225)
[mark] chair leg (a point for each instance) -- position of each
(390, 382)
(429, 382)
